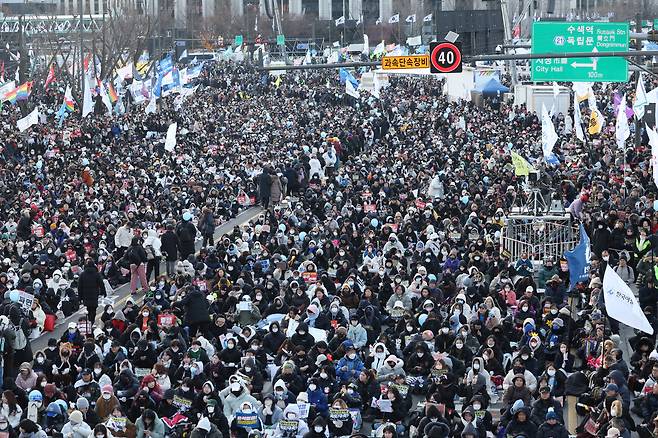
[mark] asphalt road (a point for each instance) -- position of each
(121, 293)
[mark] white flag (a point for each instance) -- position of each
(578, 121)
(307, 58)
(411, 18)
(349, 89)
(87, 101)
(183, 55)
(125, 71)
(340, 20)
(105, 98)
(591, 98)
(29, 120)
(394, 19)
(622, 131)
(376, 85)
(151, 107)
(548, 134)
(366, 45)
(641, 99)
(170, 141)
(653, 142)
(621, 304)
(427, 18)
(380, 49)
(556, 90)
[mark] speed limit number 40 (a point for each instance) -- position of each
(445, 57)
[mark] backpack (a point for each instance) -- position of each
(20, 341)
(150, 252)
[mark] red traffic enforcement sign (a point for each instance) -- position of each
(445, 57)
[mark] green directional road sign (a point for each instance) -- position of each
(280, 40)
(238, 40)
(573, 37)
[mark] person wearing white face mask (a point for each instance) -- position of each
(350, 365)
(318, 429)
(106, 403)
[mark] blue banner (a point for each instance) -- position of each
(579, 260)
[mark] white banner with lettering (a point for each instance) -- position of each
(621, 304)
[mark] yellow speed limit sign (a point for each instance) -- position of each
(411, 61)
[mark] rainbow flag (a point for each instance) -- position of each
(11, 95)
(112, 93)
(23, 91)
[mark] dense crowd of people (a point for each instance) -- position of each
(370, 292)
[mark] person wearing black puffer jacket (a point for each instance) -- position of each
(90, 288)
(136, 256)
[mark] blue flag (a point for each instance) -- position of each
(157, 88)
(579, 260)
(344, 75)
(166, 65)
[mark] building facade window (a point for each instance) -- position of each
(311, 8)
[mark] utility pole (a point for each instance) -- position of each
(82, 55)
(511, 65)
(277, 22)
(638, 47)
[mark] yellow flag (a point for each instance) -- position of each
(278, 81)
(521, 166)
(595, 122)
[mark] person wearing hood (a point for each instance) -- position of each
(270, 414)
(237, 395)
(206, 429)
(618, 379)
(432, 416)
(518, 391)
(521, 424)
(318, 429)
(26, 378)
(317, 398)
(302, 337)
(273, 339)
(469, 424)
(350, 365)
(213, 412)
(90, 288)
(551, 427)
(246, 418)
(377, 356)
(316, 319)
(418, 366)
(356, 333)
(291, 425)
(76, 427)
(151, 423)
(126, 386)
